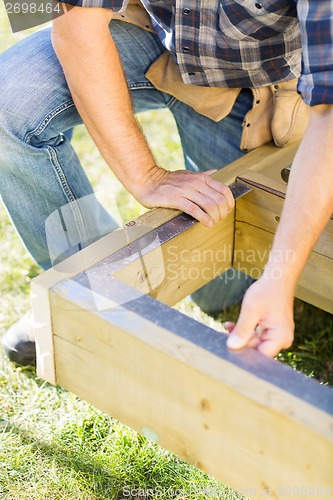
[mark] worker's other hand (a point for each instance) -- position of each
(197, 194)
(266, 318)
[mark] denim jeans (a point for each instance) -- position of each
(39, 170)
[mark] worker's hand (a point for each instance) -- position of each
(197, 194)
(266, 318)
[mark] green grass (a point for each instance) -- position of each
(55, 446)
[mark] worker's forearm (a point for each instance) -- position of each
(309, 200)
(95, 77)
(266, 318)
(93, 70)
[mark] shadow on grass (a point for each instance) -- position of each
(90, 475)
(118, 465)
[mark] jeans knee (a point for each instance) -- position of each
(34, 91)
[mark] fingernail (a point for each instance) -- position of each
(234, 342)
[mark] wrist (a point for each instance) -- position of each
(281, 271)
(144, 181)
(283, 258)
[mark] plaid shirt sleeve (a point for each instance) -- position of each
(316, 22)
(115, 5)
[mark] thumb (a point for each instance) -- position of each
(243, 330)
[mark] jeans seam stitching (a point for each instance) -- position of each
(42, 126)
(138, 86)
(72, 199)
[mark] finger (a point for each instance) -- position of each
(260, 331)
(222, 189)
(206, 203)
(195, 211)
(212, 196)
(229, 326)
(213, 203)
(201, 190)
(270, 347)
(244, 328)
(275, 341)
(219, 199)
(254, 341)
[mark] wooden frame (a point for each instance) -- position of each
(105, 331)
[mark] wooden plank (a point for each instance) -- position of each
(253, 423)
(267, 170)
(152, 219)
(257, 218)
(268, 158)
(166, 265)
(183, 264)
(210, 248)
(251, 252)
(107, 246)
(262, 181)
(263, 205)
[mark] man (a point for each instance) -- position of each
(228, 46)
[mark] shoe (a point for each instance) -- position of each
(18, 344)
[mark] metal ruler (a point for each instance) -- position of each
(152, 239)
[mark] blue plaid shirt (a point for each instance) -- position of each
(245, 43)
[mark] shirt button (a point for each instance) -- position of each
(186, 11)
(258, 5)
(186, 49)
